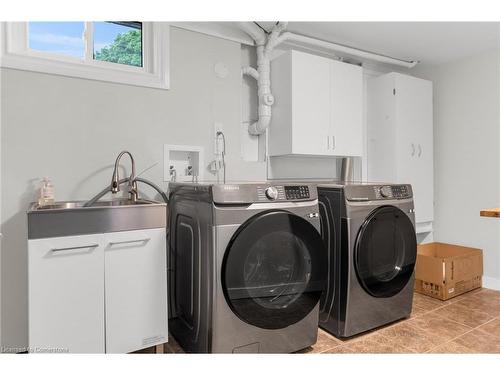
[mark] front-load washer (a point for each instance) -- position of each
(247, 267)
(369, 233)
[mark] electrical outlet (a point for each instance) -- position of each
(217, 141)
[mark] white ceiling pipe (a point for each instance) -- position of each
(291, 37)
(265, 45)
(266, 99)
(262, 74)
(257, 34)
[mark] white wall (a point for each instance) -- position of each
(1, 90)
(72, 129)
(466, 156)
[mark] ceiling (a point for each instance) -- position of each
(432, 43)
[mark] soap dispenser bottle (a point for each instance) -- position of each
(46, 192)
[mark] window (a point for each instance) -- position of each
(126, 52)
(118, 42)
(61, 38)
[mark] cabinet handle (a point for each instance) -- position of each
(129, 241)
(327, 142)
(56, 249)
(419, 150)
(333, 142)
(412, 149)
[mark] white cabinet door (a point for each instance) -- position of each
(319, 106)
(380, 130)
(346, 103)
(66, 294)
(415, 145)
(136, 289)
(400, 138)
(310, 104)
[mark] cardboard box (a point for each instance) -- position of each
(445, 271)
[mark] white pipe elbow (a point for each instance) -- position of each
(257, 34)
(275, 37)
(259, 127)
(249, 71)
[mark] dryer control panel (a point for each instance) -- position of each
(400, 191)
(392, 192)
(378, 192)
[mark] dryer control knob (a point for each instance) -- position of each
(386, 191)
(272, 193)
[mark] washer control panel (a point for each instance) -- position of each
(392, 192)
(272, 193)
(283, 193)
(265, 192)
(297, 192)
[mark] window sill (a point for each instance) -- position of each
(85, 71)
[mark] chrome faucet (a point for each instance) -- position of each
(132, 183)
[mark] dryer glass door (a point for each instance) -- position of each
(385, 252)
(273, 272)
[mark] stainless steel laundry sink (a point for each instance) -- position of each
(58, 206)
(100, 216)
(122, 202)
(81, 205)
(74, 218)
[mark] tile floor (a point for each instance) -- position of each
(465, 324)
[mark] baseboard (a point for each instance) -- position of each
(425, 227)
(491, 283)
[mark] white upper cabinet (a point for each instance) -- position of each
(318, 106)
(310, 88)
(346, 105)
(400, 138)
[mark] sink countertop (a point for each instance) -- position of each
(71, 218)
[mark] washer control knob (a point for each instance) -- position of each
(272, 193)
(385, 191)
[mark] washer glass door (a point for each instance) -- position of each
(273, 272)
(385, 251)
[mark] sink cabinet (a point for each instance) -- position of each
(66, 294)
(98, 293)
(136, 289)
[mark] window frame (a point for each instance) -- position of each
(16, 54)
